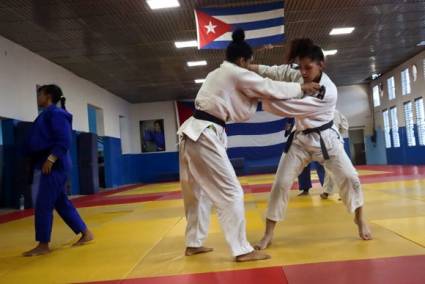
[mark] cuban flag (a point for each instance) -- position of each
(260, 138)
(263, 24)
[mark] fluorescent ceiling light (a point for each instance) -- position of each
(422, 43)
(161, 4)
(183, 44)
(330, 52)
(341, 31)
(196, 63)
(199, 81)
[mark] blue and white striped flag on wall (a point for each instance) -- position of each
(261, 137)
(263, 24)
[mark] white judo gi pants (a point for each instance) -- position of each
(328, 184)
(207, 178)
(343, 174)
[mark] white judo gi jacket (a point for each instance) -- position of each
(310, 112)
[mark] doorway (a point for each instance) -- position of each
(96, 126)
(357, 146)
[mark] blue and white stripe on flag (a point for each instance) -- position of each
(261, 137)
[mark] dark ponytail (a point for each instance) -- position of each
(238, 48)
(305, 48)
(54, 92)
(63, 101)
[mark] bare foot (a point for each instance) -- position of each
(192, 251)
(265, 242)
(85, 238)
(364, 231)
(324, 195)
(252, 256)
(303, 193)
(40, 249)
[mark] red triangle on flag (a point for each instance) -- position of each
(209, 28)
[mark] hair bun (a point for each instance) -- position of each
(298, 47)
(238, 35)
(303, 43)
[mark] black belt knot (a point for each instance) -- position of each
(317, 130)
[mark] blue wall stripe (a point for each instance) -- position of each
(396, 156)
(113, 161)
(406, 155)
(153, 167)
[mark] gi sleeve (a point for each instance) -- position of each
(280, 73)
(301, 107)
(255, 86)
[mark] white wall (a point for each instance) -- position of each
(353, 102)
(153, 111)
(417, 89)
(21, 70)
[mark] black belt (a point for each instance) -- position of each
(202, 115)
(289, 142)
(317, 130)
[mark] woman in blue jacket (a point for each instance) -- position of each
(48, 146)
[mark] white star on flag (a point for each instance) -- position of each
(210, 28)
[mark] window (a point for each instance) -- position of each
(394, 127)
(376, 100)
(405, 82)
(387, 129)
(391, 88)
(420, 120)
(408, 118)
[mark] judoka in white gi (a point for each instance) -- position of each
(340, 123)
(229, 93)
(315, 138)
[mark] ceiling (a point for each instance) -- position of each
(128, 49)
